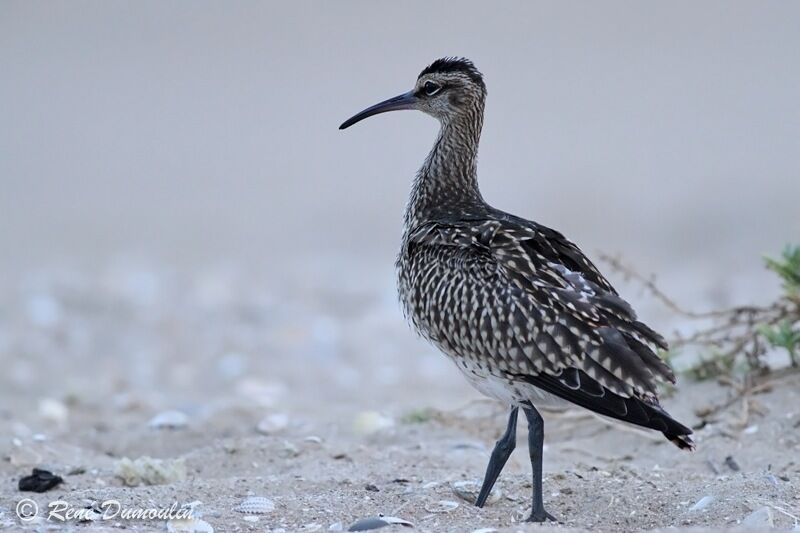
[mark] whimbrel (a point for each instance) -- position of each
(519, 308)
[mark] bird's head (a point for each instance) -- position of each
(446, 89)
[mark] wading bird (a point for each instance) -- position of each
(521, 311)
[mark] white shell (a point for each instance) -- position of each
(169, 420)
(255, 505)
(273, 423)
(377, 522)
(369, 422)
(191, 525)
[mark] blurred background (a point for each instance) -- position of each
(181, 221)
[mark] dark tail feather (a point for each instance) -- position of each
(684, 442)
(588, 393)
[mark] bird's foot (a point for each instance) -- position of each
(541, 515)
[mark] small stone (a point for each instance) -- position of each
(274, 423)
(336, 526)
(290, 450)
(702, 503)
(370, 422)
(366, 524)
(731, 463)
(251, 518)
(760, 518)
(169, 420)
(53, 411)
(372, 488)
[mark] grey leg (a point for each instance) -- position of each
(535, 445)
(500, 454)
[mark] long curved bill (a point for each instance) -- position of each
(404, 101)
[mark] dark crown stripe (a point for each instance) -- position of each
(454, 64)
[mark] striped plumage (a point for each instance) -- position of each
(518, 307)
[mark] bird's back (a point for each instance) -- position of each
(528, 318)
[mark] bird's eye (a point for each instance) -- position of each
(431, 88)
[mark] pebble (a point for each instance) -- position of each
(336, 526)
(469, 490)
(255, 505)
(731, 463)
(702, 503)
(53, 411)
(760, 518)
(274, 423)
(369, 422)
(169, 420)
(376, 522)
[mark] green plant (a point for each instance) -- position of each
(788, 268)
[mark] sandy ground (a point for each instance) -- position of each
(312, 393)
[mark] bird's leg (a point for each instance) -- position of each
(535, 446)
(502, 451)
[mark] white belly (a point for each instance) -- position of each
(509, 392)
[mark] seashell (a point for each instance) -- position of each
(273, 423)
(169, 420)
(255, 505)
(375, 522)
(469, 490)
(189, 525)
